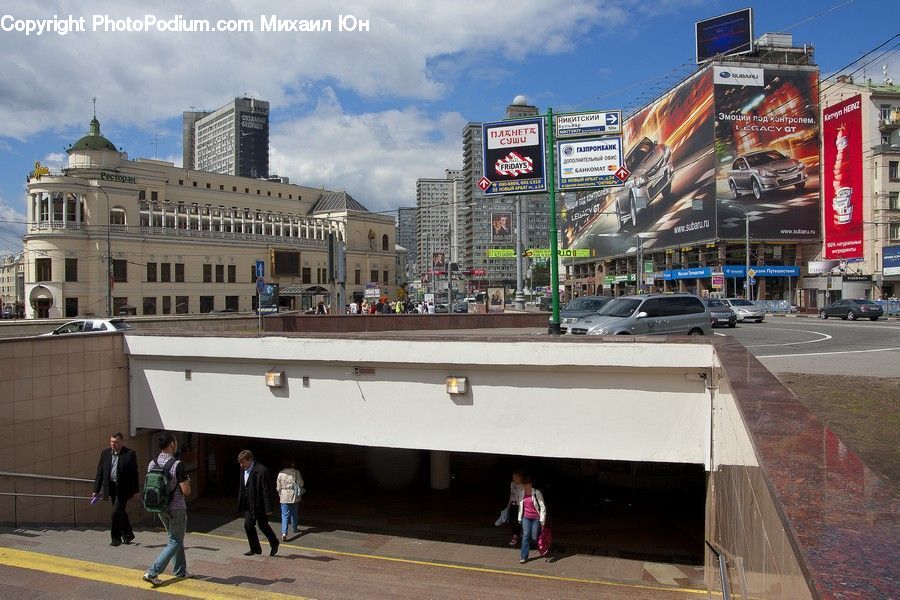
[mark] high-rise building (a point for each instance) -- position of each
(233, 140)
(437, 220)
(481, 211)
(188, 128)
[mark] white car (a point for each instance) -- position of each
(745, 309)
(90, 326)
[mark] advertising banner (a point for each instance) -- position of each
(501, 227)
(438, 261)
(818, 267)
(496, 299)
(268, 299)
(668, 149)
(589, 164)
(767, 154)
(254, 145)
(890, 261)
(842, 170)
(514, 160)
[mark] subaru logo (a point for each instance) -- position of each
(724, 74)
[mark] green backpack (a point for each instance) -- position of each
(158, 490)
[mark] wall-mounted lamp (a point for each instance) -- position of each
(275, 379)
(457, 385)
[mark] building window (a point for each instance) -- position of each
(220, 273)
(72, 270)
(207, 185)
(154, 196)
(181, 305)
(181, 182)
(232, 274)
(306, 275)
(150, 305)
(167, 305)
(43, 269)
(179, 272)
(165, 272)
(120, 270)
(151, 272)
(71, 307)
(894, 202)
(207, 273)
(357, 277)
(194, 183)
(207, 303)
(384, 242)
(893, 171)
(894, 231)
(120, 305)
(384, 276)
(373, 276)
(231, 303)
(252, 272)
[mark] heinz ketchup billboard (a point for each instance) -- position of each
(842, 179)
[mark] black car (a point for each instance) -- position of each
(852, 310)
(720, 313)
(461, 307)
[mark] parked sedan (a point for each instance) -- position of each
(746, 310)
(720, 313)
(578, 308)
(90, 326)
(852, 310)
(461, 306)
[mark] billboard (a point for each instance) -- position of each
(767, 153)
(842, 171)
(890, 261)
(704, 154)
(668, 148)
(253, 146)
(727, 34)
(501, 227)
(590, 163)
(513, 154)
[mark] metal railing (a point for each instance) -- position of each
(16, 494)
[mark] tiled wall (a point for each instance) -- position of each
(60, 399)
(742, 518)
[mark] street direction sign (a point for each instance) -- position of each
(260, 268)
(260, 285)
(584, 124)
(623, 173)
(484, 183)
(751, 273)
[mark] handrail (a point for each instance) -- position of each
(16, 493)
(39, 476)
(723, 571)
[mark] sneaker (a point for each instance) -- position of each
(152, 579)
(514, 540)
(523, 561)
(283, 537)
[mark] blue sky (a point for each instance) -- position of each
(366, 111)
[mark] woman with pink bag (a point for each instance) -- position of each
(532, 516)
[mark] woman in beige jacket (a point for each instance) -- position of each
(287, 483)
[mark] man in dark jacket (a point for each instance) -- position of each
(117, 479)
(256, 499)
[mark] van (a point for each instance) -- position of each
(647, 314)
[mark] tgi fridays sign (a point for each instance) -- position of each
(513, 154)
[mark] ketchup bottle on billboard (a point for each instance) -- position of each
(842, 204)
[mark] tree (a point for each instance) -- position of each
(540, 274)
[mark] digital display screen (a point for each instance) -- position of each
(725, 35)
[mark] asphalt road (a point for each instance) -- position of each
(831, 347)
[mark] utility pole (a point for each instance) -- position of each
(520, 297)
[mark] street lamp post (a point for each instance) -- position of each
(746, 246)
(109, 264)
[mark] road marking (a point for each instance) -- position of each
(825, 353)
(822, 339)
(81, 569)
(442, 565)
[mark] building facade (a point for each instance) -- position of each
(861, 208)
(406, 237)
(438, 235)
(12, 284)
(109, 235)
(188, 137)
(232, 140)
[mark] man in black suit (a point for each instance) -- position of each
(117, 478)
(256, 499)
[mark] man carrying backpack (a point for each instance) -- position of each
(164, 491)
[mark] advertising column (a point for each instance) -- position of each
(842, 172)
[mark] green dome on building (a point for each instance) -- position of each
(93, 140)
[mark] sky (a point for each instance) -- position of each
(367, 111)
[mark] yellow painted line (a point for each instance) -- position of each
(427, 563)
(190, 588)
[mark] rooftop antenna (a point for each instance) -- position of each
(156, 143)
(94, 100)
(884, 77)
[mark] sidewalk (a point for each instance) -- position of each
(338, 563)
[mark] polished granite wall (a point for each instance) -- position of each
(802, 511)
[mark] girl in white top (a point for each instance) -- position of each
(287, 496)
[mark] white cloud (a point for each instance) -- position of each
(140, 78)
(375, 156)
(12, 228)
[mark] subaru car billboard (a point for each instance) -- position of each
(725, 142)
(767, 152)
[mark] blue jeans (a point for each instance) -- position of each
(531, 529)
(288, 515)
(175, 522)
